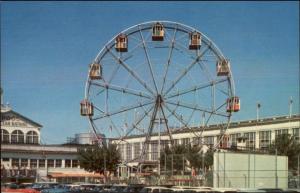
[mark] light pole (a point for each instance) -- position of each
(291, 106)
(257, 111)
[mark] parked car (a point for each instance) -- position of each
(133, 188)
(156, 189)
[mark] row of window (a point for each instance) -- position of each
(42, 163)
(17, 136)
(231, 140)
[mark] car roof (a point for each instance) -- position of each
(156, 187)
(192, 187)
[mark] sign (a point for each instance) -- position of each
(12, 121)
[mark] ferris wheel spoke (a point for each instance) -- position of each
(203, 67)
(186, 70)
(167, 125)
(148, 61)
(97, 108)
(122, 110)
(131, 72)
(222, 91)
(134, 125)
(169, 60)
(195, 88)
(180, 119)
(95, 131)
(206, 70)
(180, 37)
(183, 49)
(190, 117)
(114, 126)
(197, 108)
(150, 129)
(122, 89)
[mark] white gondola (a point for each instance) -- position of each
(121, 43)
(223, 67)
(195, 41)
(86, 108)
(158, 32)
(95, 71)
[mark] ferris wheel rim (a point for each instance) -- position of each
(191, 29)
(214, 48)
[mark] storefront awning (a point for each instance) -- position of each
(63, 175)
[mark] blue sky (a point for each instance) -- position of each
(46, 48)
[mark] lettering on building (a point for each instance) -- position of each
(12, 121)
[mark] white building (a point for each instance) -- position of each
(259, 135)
(25, 159)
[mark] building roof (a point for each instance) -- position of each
(47, 149)
(7, 111)
(246, 123)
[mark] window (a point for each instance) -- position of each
(281, 132)
(224, 141)
(4, 136)
(17, 136)
(122, 151)
(24, 162)
(41, 163)
(50, 163)
(32, 137)
(67, 163)
(33, 163)
(128, 152)
(250, 142)
(197, 140)
(264, 139)
(154, 150)
(185, 141)
(209, 140)
(147, 151)
(296, 134)
(164, 144)
(233, 138)
(75, 163)
(15, 162)
(5, 159)
(136, 149)
(176, 141)
(58, 163)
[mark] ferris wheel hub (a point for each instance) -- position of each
(159, 100)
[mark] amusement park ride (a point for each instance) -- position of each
(163, 71)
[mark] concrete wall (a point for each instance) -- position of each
(242, 170)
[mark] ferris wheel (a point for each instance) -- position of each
(159, 77)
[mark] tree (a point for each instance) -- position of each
(181, 154)
(196, 157)
(287, 145)
(98, 159)
(172, 158)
